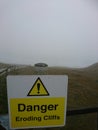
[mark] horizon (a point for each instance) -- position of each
(59, 33)
(50, 65)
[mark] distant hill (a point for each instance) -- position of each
(4, 65)
(92, 70)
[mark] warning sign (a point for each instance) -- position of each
(38, 89)
(37, 101)
(37, 112)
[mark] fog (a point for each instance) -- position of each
(56, 32)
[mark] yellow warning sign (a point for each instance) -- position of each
(37, 112)
(38, 89)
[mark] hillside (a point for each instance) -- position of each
(2, 65)
(93, 67)
(92, 70)
(82, 92)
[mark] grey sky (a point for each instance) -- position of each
(57, 32)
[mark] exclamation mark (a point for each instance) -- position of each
(38, 87)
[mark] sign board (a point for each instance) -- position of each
(37, 101)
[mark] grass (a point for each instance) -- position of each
(82, 93)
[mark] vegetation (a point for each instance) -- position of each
(82, 93)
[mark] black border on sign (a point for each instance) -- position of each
(33, 87)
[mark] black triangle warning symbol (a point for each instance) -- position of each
(38, 89)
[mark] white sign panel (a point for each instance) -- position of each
(37, 101)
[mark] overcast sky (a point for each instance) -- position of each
(56, 32)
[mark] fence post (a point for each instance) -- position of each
(40, 69)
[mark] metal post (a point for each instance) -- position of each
(40, 69)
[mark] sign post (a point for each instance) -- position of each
(37, 101)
